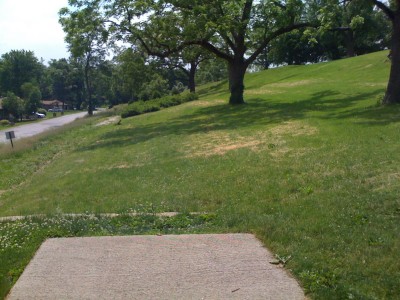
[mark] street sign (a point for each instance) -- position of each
(10, 135)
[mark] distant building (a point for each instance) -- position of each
(47, 104)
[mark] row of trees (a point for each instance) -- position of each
(129, 76)
(242, 33)
(125, 50)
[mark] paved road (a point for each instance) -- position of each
(32, 129)
(204, 266)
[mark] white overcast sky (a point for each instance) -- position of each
(32, 25)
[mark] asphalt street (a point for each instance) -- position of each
(31, 129)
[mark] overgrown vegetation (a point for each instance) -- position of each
(141, 107)
(310, 165)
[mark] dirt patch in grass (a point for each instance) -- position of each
(385, 181)
(294, 128)
(373, 84)
(122, 166)
(262, 91)
(111, 120)
(272, 140)
(269, 88)
(292, 84)
(202, 103)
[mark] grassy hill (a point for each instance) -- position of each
(310, 164)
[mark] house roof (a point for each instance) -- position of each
(52, 102)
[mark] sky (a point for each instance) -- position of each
(32, 25)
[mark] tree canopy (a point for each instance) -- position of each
(235, 31)
(19, 67)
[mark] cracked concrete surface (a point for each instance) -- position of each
(204, 266)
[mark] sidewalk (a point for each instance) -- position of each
(216, 266)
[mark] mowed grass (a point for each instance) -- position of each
(311, 165)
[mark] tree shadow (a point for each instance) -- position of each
(331, 104)
(214, 87)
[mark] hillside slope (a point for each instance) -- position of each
(310, 164)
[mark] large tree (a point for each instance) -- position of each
(86, 37)
(235, 31)
(17, 68)
(393, 13)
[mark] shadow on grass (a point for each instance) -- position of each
(214, 87)
(331, 104)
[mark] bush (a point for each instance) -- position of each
(142, 107)
(42, 111)
(4, 122)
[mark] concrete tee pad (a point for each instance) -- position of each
(210, 266)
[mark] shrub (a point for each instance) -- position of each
(178, 88)
(42, 111)
(141, 107)
(4, 122)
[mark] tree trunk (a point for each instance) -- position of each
(192, 77)
(88, 90)
(237, 70)
(350, 43)
(393, 89)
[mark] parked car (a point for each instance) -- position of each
(56, 109)
(39, 115)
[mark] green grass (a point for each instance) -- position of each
(310, 165)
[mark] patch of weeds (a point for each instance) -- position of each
(306, 190)
(360, 219)
(184, 222)
(314, 280)
(281, 260)
(376, 242)
(379, 99)
(20, 239)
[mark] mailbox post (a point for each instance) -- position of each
(10, 136)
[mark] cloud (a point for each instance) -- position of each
(32, 25)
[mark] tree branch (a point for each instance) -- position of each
(388, 12)
(274, 35)
(208, 46)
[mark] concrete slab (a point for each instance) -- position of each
(219, 266)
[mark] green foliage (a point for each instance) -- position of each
(129, 74)
(212, 71)
(301, 165)
(17, 68)
(42, 111)
(156, 88)
(178, 88)
(86, 36)
(13, 105)
(233, 31)
(141, 107)
(32, 96)
(67, 82)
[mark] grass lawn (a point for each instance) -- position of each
(310, 164)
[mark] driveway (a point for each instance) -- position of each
(32, 129)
